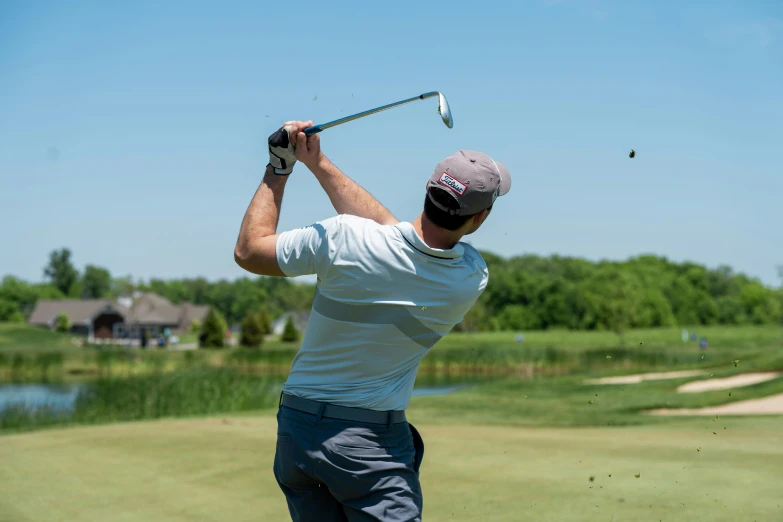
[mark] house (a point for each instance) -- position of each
(300, 321)
(125, 317)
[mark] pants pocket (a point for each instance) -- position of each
(285, 466)
(418, 444)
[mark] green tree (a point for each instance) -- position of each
(655, 311)
(252, 330)
(707, 309)
(62, 323)
(780, 295)
(96, 282)
(621, 307)
(195, 326)
(9, 312)
(290, 333)
(518, 317)
(684, 300)
(731, 310)
(120, 286)
(61, 271)
(24, 295)
(477, 319)
(761, 305)
(213, 330)
(266, 322)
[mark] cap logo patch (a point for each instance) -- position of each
(453, 183)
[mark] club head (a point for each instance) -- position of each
(445, 112)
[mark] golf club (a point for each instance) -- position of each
(443, 110)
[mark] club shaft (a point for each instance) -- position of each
(309, 131)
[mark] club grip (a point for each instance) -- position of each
(315, 129)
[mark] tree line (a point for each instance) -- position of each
(232, 299)
(524, 293)
(532, 293)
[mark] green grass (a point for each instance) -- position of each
(505, 449)
(550, 352)
(19, 337)
(568, 401)
(718, 337)
(219, 469)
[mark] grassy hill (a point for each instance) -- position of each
(218, 469)
(22, 337)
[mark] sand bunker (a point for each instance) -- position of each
(639, 377)
(735, 381)
(772, 405)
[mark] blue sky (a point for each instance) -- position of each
(134, 133)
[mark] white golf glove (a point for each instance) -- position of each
(282, 154)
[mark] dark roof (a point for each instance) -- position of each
(147, 309)
(151, 308)
(78, 311)
(190, 312)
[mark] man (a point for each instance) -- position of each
(386, 292)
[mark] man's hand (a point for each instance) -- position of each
(282, 155)
(308, 148)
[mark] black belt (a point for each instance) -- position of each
(334, 411)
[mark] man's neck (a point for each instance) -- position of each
(434, 236)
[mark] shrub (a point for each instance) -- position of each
(290, 333)
(63, 323)
(252, 330)
(213, 330)
(9, 311)
(195, 326)
(266, 322)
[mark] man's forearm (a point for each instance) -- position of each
(260, 222)
(347, 196)
(263, 213)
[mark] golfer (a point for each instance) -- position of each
(387, 291)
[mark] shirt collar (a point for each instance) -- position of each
(413, 239)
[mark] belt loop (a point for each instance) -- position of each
(281, 400)
(390, 413)
(320, 412)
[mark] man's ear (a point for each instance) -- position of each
(480, 217)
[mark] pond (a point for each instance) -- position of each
(35, 396)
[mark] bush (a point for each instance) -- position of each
(63, 323)
(10, 312)
(195, 326)
(252, 330)
(213, 330)
(266, 322)
(290, 333)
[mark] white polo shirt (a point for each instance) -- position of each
(383, 299)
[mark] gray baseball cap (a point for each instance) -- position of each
(473, 179)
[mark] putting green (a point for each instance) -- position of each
(219, 469)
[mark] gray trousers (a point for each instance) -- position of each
(333, 470)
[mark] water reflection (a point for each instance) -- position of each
(36, 396)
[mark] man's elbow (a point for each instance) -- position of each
(257, 259)
(242, 257)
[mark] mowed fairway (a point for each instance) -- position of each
(219, 469)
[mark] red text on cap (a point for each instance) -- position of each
(453, 183)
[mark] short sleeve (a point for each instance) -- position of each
(307, 250)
